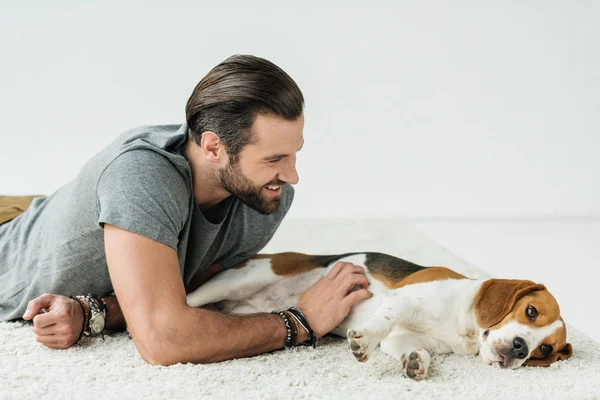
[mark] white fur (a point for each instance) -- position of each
(408, 322)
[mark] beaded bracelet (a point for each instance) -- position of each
(294, 326)
(84, 317)
(312, 339)
(289, 339)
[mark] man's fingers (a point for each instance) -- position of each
(54, 329)
(335, 270)
(44, 320)
(35, 306)
(352, 269)
(358, 295)
(342, 268)
(350, 281)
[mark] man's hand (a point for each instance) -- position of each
(57, 320)
(328, 301)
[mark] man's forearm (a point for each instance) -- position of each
(203, 336)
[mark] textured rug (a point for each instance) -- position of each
(112, 368)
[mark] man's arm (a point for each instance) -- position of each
(147, 281)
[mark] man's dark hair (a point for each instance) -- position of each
(232, 94)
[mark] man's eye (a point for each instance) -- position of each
(546, 349)
(531, 313)
(274, 161)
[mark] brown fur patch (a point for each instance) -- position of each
(289, 263)
(497, 297)
(427, 275)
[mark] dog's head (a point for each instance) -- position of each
(520, 324)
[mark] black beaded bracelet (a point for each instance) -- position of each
(312, 339)
(84, 317)
(289, 339)
(294, 326)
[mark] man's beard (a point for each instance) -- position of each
(236, 183)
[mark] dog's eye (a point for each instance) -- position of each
(531, 313)
(486, 334)
(546, 349)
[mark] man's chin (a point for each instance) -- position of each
(265, 208)
(272, 207)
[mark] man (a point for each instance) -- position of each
(160, 210)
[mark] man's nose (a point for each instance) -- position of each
(289, 174)
(519, 349)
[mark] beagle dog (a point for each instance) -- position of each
(414, 310)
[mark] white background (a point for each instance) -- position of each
(413, 109)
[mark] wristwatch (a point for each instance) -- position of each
(97, 314)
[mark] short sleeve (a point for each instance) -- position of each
(143, 192)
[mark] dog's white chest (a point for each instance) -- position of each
(442, 310)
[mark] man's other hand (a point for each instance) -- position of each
(57, 320)
(329, 300)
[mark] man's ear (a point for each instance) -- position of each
(496, 298)
(563, 354)
(212, 147)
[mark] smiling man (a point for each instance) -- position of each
(159, 211)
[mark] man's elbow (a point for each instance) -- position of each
(155, 357)
(158, 358)
(158, 348)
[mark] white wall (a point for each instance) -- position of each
(412, 109)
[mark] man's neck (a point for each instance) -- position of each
(208, 190)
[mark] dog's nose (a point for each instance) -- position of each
(520, 349)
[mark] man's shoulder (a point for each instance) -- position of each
(147, 172)
(148, 152)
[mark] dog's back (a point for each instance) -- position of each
(296, 272)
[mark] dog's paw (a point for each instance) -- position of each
(416, 364)
(360, 344)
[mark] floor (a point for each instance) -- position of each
(562, 253)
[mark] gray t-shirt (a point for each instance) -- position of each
(141, 182)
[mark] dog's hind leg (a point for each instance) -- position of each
(235, 283)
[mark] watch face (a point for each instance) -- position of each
(97, 323)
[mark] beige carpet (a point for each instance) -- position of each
(112, 368)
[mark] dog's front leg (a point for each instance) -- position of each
(412, 350)
(364, 339)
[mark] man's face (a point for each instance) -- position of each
(263, 167)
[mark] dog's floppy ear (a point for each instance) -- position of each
(563, 354)
(496, 298)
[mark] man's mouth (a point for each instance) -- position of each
(273, 190)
